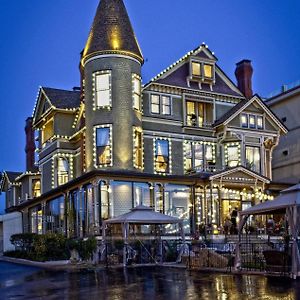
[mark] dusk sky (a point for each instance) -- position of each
(41, 42)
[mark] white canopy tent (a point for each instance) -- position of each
(142, 215)
(287, 202)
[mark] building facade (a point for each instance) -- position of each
(189, 143)
(286, 159)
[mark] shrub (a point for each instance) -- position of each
(23, 241)
(17, 254)
(87, 248)
(50, 246)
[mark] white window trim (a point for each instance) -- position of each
(160, 104)
(136, 76)
(248, 123)
(95, 146)
(95, 106)
(170, 155)
(133, 142)
(205, 165)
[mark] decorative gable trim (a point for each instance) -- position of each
(266, 109)
(241, 169)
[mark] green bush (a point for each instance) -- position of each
(17, 254)
(50, 246)
(23, 241)
(87, 248)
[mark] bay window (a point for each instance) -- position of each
(162, 156)
(253, 158)
(103, 146)
(102, 86)
(232, 154)
(199, 156)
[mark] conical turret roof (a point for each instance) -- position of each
(112, 32)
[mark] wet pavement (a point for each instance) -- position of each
(22, 282)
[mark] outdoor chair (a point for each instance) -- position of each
(277, 261)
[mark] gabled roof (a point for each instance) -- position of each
(50, 98)
(176, 75)
(62, 98)
(8, 176)
(238, 108)
(112, 32)
(12, 175)
(231, 171)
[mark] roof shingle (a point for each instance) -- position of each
(62, 98)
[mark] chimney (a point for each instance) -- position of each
(30, 146)
(243, 74)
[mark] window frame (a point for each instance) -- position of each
(259, 160)
(205, 162)
(140, 149)
(160, 104)
(155, 156)
(256, 117)
(202, 64)
(62, 177)
(95, 90)
(110, 144)
(226, 156)
(197, 104)
(135, 93)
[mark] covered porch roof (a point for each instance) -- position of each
(143, 215)
(239, 175)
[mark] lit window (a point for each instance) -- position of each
(161, 104)
(207, 71)
(62, 171)
(136, 89)
(162, 156)
(36, 188)
(196, 114)
(103, 146)
(48, 131)
(253, 158)
(166, 105)
(252, 121)
(199, 156)
(233, 157)
(103, 89)
(209, 154)
(155, 104)
(196, 69)
(191, 118)
(138, 148)
(260, 124)
(244, 120)
(198, 153)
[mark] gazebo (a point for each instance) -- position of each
(141, 215)
(288, 203)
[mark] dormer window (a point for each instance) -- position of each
(196, 69)
(208, 71)
(202, 71)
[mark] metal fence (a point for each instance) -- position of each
(140, 251)
(264, 256)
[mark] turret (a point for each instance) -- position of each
(111, 64)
